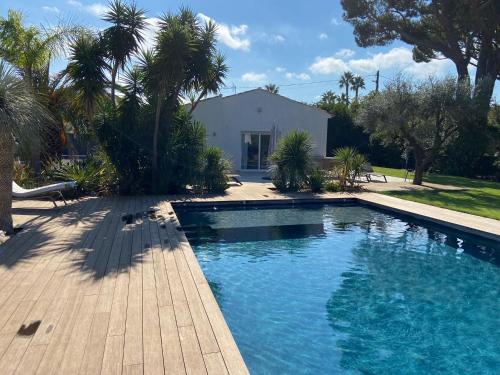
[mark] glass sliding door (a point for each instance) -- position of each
(264, 150)
(254, 150)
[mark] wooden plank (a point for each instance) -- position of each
(133, 352)
(113, 356)
(94, 351)
(215, 364)
(31, 360)
(153, 356)
(191, 352)
(171, 346)
(232, 356)
(133, 369)
(204, 331)
(13, 355)
(76, 345)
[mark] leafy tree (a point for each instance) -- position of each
(86, 71)
(272, 88)
(123, 37)
(345, 81)
(357, 83)
(423, 117)
(464, 31)
(20, 114)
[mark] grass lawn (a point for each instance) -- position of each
(479, 197)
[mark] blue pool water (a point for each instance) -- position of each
(350, 290)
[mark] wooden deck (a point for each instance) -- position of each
(96, 296)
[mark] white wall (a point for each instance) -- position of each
(258, 110)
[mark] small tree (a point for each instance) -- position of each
(292, 160)
(358, 83)
(272, 88)
(344, 82)
(425, 116)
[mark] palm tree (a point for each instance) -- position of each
(123, 37)
(31, 49)
(20, 113)
(357, 83)
(272, 88)
(184, 60)
(212, 80)
(86, 71)
(328, 98)
(345, 81)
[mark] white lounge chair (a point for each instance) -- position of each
(50, 191)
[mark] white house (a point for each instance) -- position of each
(247, 126)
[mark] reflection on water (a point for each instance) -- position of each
(350, 290)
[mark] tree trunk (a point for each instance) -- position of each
(347, 94)
(114, 71)
(6, 174)
(154, 160)
(419, 174)
(420, 165)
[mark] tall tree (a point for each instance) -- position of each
(358, 83)
(344, 82)
(464, 31)
(184, 60)
(272, 88)
(124, 37)
(86, 71)
(328, 98)
(424, 118)
(20, 114)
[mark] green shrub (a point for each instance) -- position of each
(292, 161)
(348, 166)
(213, 175)
(317, 180)
(96, 175)
(24, 175)
(332, 186)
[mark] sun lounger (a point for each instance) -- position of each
(369, 173)
(235, 178)
(48, 192)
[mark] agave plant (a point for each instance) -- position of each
(292, 160)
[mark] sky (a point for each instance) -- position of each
(302, 46)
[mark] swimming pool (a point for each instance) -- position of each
(348, 290)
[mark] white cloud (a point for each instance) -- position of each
(299, 76)
(398, 58)
(51, 9)
(152, 26)
(254, 77)
(328, 65)
(433, 67)
(323, 36)
(97, 9)
(280, 69)
(231, 36)
(335, 22)
(345, 52)
(278, 38)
